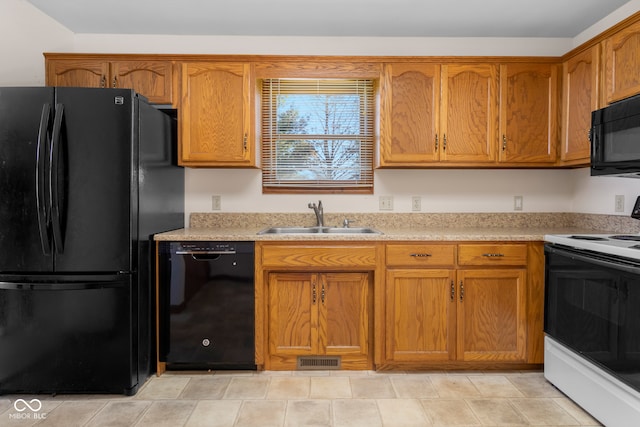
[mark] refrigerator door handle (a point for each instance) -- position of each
(42, 204)
(58, 286)
(54, 165)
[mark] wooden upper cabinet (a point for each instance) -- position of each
(528, 113)
(152, 79)
(468, 118)
(410, 108)
(77, 72)
(579, 98)
(215, 115)
(622, 63)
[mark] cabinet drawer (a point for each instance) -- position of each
(496, 254)
(420, 255)
(318, 256)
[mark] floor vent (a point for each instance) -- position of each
(318, 362)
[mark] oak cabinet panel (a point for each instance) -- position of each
(492, 315)
(528, 113)
(622, 63)
(152, 79)
(410, 110)
(215, 115)
(469, 111)
(319, 314)
(421, 315)
(579, 98)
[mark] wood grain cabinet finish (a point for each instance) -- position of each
(153, 79)
(580, 94)
(528, 113)
(622, 63)
(468, 306)
(215, 115)
(438, 113)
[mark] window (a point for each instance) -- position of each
(317, 135)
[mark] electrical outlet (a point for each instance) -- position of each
(386, 203)
(216, 203)
(416, 203)
(619, 206)
(517, 203)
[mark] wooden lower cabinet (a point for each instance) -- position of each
(460, 305)
(319, 314)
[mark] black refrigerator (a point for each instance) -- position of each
(87, 176)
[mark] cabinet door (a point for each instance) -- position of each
(491, 315)
(579, 99)
(293, 314)
(78, 72)
(622, 63)
(410, 114)
(344, 314)
(153, 79)
(421, 315)
(528, 113)
(215, 111)
(469, 111)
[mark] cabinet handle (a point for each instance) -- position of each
(492, 255)
(436, 142)
(504, 142)
(114, 83)
(420, 255)
(453, 291)
(322, 294)
(103, 81)
(244, 142)
(461, 291)
(444, 143)
(314, 295)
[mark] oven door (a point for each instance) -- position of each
(591, 306)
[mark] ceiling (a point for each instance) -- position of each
(366, 18)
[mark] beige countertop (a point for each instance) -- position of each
(389, 234)
(402, 226)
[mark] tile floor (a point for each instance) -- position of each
(313, 398)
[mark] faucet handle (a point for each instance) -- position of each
(347, 222)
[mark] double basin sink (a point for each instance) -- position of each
(319, 230)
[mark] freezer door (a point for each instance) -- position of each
(69, 334)
(94, 179)
(24, 235)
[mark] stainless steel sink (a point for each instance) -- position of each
(319, 230)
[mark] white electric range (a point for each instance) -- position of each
(624, 245)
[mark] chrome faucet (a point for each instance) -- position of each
(319, 212)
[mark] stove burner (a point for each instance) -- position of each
(626, 237)
(587, 238)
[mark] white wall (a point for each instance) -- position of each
(26, 33)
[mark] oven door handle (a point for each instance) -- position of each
(621, 266)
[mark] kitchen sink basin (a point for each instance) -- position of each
(319, 230)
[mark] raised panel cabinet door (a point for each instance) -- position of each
(528, 113)
(579, 99)
(622, 63)
(293, 314)
(78, 72)
(469, 113)
(492, 315)
(345, 313)
(411, 97)
(421, 315)
(153, 79)
(215, 115)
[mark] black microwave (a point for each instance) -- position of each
(615, 139)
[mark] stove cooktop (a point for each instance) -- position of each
(625, 245)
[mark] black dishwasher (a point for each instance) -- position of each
(206, 296)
